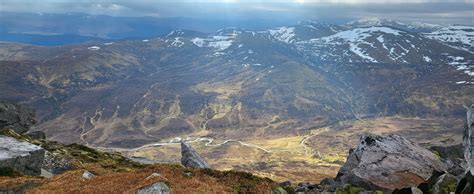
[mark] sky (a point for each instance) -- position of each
(336, 11)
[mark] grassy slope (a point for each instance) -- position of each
(117, 174)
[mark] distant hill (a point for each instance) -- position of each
(233, 81)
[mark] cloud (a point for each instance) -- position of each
(435, 11)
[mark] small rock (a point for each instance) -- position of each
(153, 175)
(46, 174)
(188, 174)
(156, 188)
(190, 158)
(87, 175)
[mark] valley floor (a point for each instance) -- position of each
(302, 158)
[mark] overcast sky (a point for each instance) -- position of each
(433, 11)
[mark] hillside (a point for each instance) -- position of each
(237, 91)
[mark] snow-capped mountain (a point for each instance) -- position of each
(304, 30)
(377, 45)
(411, 27)
(232, 81)
(461, 37)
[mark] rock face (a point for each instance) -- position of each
(388, 163)
(156, 188)
(469, 139)
(453, 157)
(466, 184)
(16, 117)
(21, 156)
(190, 158)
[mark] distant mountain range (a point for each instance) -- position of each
(237, 83)
(51, 29)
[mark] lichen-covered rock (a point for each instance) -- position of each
(21, 156)
(445, 184)
(56, 164)
(388, 163)
(190, 158)
(16, 117)
(156, 188)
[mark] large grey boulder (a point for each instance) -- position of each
(388, 163)
(190, 158)
(469, 139)
(156, 188)
(21, 156)
(16, 117)
(466, 184)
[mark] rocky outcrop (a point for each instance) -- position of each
(156, 188)
(388, 163)
(466, 184)
(190, 158)
(469, 139)
(20, 156)
(16, 117)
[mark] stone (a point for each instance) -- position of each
(388, 163)
(23, 157)
(87, 175)
(190, 158)
(155, 188)
(46, 174)
(16, 117)
(153, 175)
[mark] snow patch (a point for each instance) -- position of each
(427, 59)
(177, 42)
(198, 42)
(93, 48)
(285, 34)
